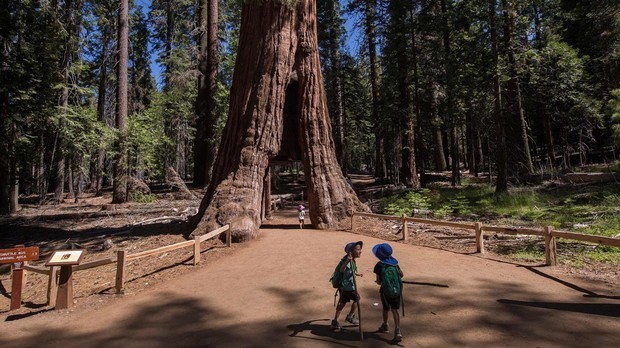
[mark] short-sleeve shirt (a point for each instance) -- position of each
(347, 278)
(302, 214)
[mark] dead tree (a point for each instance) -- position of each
(277, 62)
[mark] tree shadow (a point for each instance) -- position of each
(605, 309)
(587, 293)
(426, 284)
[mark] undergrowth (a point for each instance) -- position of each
(591, 209)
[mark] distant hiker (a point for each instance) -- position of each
(302, 215)
(343, 280)
(389, 276)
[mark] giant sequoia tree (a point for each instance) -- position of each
(277, 62)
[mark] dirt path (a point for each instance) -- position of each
(275, 292)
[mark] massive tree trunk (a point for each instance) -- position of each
(120, 166)
(204, 147)
(278, 54)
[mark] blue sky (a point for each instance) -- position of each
(352, 41)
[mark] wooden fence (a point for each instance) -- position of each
(122, 257)
(547, 232)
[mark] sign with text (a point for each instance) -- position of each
(19, 254)
(65, 258)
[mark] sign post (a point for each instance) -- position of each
(17, 257)
(65, 259)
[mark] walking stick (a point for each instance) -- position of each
(402, 300)
(359, 306)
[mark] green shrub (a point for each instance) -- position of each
(140, 197)
(404, 204)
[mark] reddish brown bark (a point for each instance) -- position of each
(120, 166)
(275, 41)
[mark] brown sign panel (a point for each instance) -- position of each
(19, 254)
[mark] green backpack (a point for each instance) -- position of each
(390, 281)
(336, 278)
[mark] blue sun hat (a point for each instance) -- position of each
(383, 252)
(350, 246)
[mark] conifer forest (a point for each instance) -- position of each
(102, 95)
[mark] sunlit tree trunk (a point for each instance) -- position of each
(121, 163)
(204, 147)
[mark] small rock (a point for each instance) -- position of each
(107, 244)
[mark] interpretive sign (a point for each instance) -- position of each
(19, 254)
(65, 258)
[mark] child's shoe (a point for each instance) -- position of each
(397, 335)
(384, 328)
(352, 319)
(335, 325)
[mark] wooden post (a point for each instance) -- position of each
(64, 298)
(196, 250)
(228, 237)
(479, 238)
(52, 286)
(405, 231)
(120, 271)
(352, 216)
(17, 274)
(550, 247)
(267, 190)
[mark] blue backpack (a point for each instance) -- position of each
(391, 282)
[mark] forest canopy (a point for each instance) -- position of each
(510, 88)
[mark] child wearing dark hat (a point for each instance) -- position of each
(347, 289)
(390, 298)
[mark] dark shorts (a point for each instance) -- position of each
(346, 296)
(389, 303)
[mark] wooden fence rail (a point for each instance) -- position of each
(123, 256)
(121, 259)
(548, 233)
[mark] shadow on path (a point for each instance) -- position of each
(605, 309)
(587, 293)
(348, 333)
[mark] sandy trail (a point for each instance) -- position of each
(274, 291)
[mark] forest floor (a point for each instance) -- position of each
(94, 226)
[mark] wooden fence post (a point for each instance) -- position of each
(196, 250)
(352, 216)
(120, 271)
(52, 286)
(550, 247)
(405, 232)
(228, 237)
(479, 238)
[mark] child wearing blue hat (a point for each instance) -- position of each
(347, 289)
(389, 276)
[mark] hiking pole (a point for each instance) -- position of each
(359, 306)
